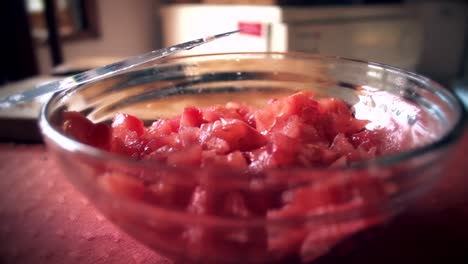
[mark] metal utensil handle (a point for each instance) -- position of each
(101, 72)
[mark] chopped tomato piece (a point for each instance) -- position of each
(76, 126)
(191, 117)
(80, 128)
(238, 134)
(124, 123)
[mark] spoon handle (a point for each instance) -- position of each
(101, 72)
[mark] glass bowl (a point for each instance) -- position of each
(154, 203)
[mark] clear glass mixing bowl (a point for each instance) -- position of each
(425, 121)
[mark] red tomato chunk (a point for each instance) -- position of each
(295, 131)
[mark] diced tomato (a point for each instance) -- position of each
(292, 105)
(339, 118)
(316, 155)
(156, 143)
(124, 123)
(236, 160)
(310, 199)
(169, 195)
(191, 117)
(131, 145)
(232, 160)
(80, 128)
(341, 144)
(118, 146)
(264, 120)
(76, 126)
(188, 136)
(238, 134)
(219, 145)
(235, 205)
(161, 154)
(162, 127)
(291, 132)
(202, 201)
(367, 139)
(284, 149)
(214, 113)
(190, 156)
(261, 159)
(299, 104)
(123, 185)
(100, 136)
(335, 106)
(290, 126)
(242, 109)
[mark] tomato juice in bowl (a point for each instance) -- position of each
(227, 214)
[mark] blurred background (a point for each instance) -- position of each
(47, 39)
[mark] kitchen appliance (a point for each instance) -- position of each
(388, 34)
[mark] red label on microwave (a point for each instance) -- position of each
(254, 29)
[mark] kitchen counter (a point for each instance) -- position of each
(43, 219)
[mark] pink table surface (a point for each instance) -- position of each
(43, 219)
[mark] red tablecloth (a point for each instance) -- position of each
(44, 220)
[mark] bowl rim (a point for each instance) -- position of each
(455, 133)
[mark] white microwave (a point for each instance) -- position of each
(386, 34)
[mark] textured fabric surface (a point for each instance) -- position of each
(43, 219)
